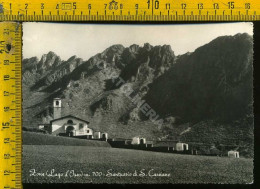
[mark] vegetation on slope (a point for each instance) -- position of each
(32, 138)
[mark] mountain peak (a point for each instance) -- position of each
(147, 46)
(245, 35)
(72, 58)
(134, 48)
(48, 61)
(116, 47)
(50, 54)
(32, 59)
(167, 47)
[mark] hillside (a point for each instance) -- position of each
(32, 138)
(209, 90)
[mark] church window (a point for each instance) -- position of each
(81, 126)
(70, 121)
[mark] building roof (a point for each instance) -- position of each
(68, 117)
(232, 151)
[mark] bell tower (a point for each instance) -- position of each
(56, 108)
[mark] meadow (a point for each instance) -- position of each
(90, 164)
(32, 138)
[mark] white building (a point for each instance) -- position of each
(233, 154)
(138, 140)
(99, 135)
(56, 108)
(68, 125)
(181, 146)
(135, 141)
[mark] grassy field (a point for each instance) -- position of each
(84, 164)
(32, 138)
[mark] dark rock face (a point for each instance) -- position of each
(29, 70)
(215, 83)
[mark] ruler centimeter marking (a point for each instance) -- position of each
(10, 105)
(130, 10)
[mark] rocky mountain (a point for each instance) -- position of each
(208, 89)
(213, 82)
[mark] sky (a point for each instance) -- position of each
(86, 40)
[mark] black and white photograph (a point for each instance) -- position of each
(138, 103)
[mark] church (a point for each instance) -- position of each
(68, 125)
